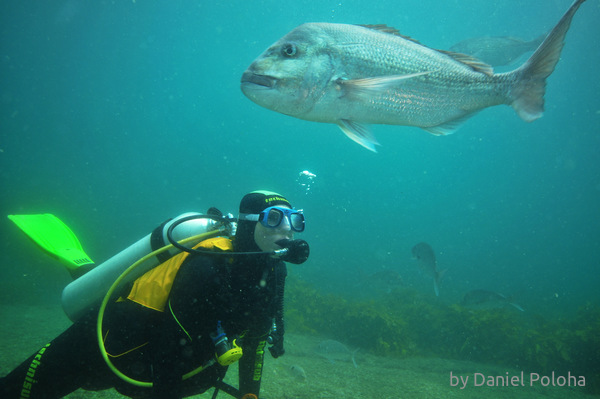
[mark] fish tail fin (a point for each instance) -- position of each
(353, 359)
(530, 86)
(535, 43)
(436, 281)
(511, 300)
(517, 306)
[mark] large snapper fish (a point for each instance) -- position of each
(355, 75)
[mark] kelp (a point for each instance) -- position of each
(406, 323)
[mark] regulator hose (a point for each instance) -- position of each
(112, 289)
(293, 251)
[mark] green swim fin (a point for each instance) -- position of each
(54, 237)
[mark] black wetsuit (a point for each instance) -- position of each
(162, 346)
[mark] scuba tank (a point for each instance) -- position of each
(88, 290)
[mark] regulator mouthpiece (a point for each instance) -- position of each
(293, 251)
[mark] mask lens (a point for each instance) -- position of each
(274, 217)
(297, 222)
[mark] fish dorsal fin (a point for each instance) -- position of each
(382, 28)
(470, 61)
(388, 29)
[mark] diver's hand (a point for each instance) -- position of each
(277, 349)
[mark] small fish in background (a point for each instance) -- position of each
(297, 372)
(484, 299)
(497, 50)
(333, 350)
(427, 262)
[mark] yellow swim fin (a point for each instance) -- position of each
(54, 237)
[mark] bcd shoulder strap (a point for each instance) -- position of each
(152, 288)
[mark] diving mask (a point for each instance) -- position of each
(273, 216)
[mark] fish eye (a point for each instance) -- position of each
(289, 50)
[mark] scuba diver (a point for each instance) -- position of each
(172, 332)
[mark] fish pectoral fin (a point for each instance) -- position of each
(358, 133)
(517, 306)
(376, 85)
(450, 126)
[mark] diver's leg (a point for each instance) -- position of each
(70, 361)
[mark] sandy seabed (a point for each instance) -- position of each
(302, 372)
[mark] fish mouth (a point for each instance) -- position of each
(265, 81)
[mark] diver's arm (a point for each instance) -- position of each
(251, 364)
(166, 367)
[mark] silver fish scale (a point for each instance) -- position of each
(449, 91)
(363, 52)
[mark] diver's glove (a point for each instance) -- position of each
(293, 251)
(277, 349)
